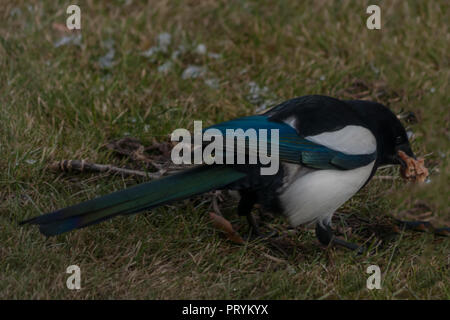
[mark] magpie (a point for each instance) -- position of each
(328, 150)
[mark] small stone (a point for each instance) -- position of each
(212, 83)
(106, 61)
(164, 39)
(150, 52)
(165, 68)
(290, 269)
(201, 49)
(213, 55)
(74, 39)
(15, 12)
(192, 72)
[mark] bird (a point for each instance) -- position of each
(329, 149)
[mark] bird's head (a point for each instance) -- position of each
(393, 139)
(393, 146)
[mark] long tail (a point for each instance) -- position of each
(138, 198)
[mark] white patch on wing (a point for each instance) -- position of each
(310, 195)
(350, 140)
(292, 121)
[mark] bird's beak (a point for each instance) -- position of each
(406, 149)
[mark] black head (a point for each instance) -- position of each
(388, 130)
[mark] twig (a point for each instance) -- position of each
(268, 256)
(386, 177)
(84, 166)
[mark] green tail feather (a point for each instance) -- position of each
(138, 198)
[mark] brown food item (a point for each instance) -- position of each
(415, 169)
(223, 224)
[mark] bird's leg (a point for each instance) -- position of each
(253, 224)
(245, 207)
(326, 237)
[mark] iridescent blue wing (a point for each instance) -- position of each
(294, 148)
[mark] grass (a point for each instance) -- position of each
(58, 103)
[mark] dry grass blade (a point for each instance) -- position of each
(84, 166)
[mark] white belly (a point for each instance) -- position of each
(311, 195)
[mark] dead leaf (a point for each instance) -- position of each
(420, 211)
(60, 27)
(223, 224)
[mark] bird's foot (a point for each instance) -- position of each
(255, 232)
(326, 237)
(352, 246)
(261, 236)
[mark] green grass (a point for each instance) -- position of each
(57, 103)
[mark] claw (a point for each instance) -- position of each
(255, 232)
(416, 225)
(445, 232)
(424, 226)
